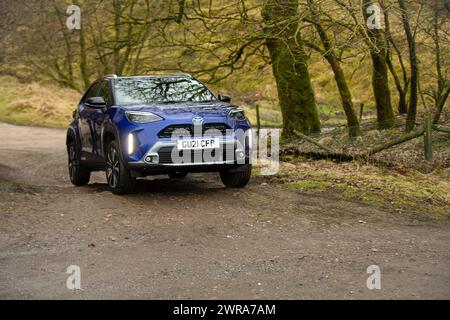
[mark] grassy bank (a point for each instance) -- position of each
(35, 104)
(405, 192)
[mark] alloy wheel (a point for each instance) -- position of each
(72, 162)
(112, 168)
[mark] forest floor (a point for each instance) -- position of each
(407, 156)
(310, 231)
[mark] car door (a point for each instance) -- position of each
(98, 119)
(87, 128)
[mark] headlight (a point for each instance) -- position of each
(142, 116)
(237, 114)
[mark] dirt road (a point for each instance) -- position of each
(196, 239)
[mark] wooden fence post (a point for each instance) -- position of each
(258, 126)
(427, 138)
(361, 110)
(258, 120)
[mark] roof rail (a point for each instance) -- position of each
(183, 74)
(187, 75)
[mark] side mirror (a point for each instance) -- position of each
(224, 98)
(95, 102)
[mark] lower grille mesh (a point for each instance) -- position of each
(193, 156)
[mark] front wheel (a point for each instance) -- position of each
(79, 174)
(118, 177)
(238, 178)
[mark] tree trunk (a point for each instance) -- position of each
(380, 83)
(440, 105)
(442, 89)
(344, 91)
(346, 98)
(385, 114)
(83, 61)
(83, 57)
(402, 106)
(117, 36)
(290, 69)
(69, 79)
(412, 110)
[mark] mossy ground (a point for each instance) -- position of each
(425, 196)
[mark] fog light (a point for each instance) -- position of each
(241, 154)
(151, 158)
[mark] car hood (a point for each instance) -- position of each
(185, 109)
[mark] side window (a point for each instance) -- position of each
(93, 91)
(104, 92)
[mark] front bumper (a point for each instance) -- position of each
(143, 170)
(160, 158)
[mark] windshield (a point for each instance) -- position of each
(148, 90)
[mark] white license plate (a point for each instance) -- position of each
(198, 144)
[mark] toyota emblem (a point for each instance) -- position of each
(197, 121)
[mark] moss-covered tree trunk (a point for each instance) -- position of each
(385, 114)
(380, 83)
(346, 98)
(290, 69)
(329, 54)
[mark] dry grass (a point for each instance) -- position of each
(36, 104)
(426, 196)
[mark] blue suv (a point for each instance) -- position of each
(138, 126)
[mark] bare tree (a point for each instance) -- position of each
(439, 19)
(401, 85)
(375, 42)
(412, 110)
(330, 55)
(215, 39)
(380, 82)
(218, 38)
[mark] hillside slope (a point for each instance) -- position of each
(35, 103)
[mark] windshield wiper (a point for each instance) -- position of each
(165, 102)
(188, 101)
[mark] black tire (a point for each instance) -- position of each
(237, 179)
(178, 175)
(118, 177)
(79, 174)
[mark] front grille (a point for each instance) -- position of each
(188, 130)
(195, 156)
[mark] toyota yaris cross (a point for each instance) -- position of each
(133, 127)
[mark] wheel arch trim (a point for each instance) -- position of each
(109, 128)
